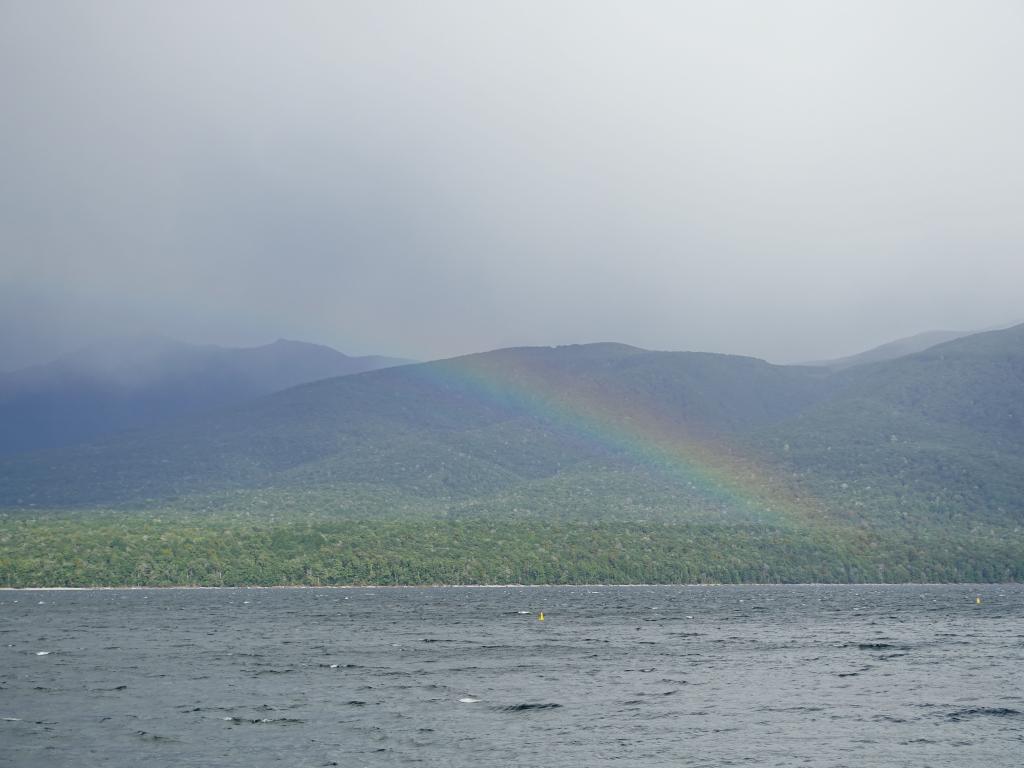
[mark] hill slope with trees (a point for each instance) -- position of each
(583, 463)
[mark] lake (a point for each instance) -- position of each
(613, 676)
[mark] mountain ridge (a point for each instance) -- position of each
(577, 464)
(537, 411)
(139, 381)
(891, 350)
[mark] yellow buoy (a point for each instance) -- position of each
(977, 600)
(541, 617)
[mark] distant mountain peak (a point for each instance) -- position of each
(892, 350)
(282, 342)
(146, 378)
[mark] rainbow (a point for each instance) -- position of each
(706, 466)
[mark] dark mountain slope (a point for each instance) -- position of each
(937, 433)
(600, 463)
(931, 438)
(143, 381)
(470, 425)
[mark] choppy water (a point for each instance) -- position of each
(645, 676)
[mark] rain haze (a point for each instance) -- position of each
(790, 180)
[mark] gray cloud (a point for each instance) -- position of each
(793, 180)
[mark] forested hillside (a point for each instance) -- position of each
(460, 427)
(594, 462)
(930, 438)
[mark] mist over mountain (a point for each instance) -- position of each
(141, 381)
(869, 440)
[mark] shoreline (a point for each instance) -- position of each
(524, 586)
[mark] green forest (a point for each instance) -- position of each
(131, 549)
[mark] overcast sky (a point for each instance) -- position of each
(791, 180)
